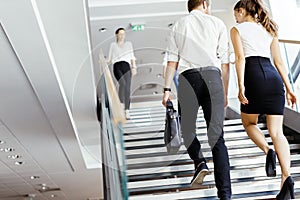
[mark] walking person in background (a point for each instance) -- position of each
(122, 58)
(261, 91)
(198, 47)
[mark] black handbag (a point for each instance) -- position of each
(172, 136)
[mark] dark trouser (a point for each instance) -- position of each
(203, 87)
(122, 73)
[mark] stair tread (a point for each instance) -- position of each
(270, 185)
(154, 174)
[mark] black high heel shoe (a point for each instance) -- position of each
(271, 163)
(287, 190)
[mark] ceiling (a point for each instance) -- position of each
(154, 14)
(48, 101)
(48, 77)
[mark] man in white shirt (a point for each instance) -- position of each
(198, 49)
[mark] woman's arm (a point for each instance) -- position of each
(275, 50)
(109, 59)
(133, 64)
(239, 62)
(225, 81)
(133, 67)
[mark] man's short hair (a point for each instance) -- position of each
(195, 3)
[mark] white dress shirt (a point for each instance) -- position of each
(198, 40)
(119, 53)
(255, 38)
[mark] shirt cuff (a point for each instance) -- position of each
(225, 60)
(173, 58)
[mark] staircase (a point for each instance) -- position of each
(153, 174)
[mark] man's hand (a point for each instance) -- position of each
(166, 97)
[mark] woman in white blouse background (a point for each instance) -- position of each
(122, 58)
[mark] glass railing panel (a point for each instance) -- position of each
(112, 117)
(111, 172)
(290, 51)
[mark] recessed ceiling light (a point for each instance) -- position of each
(102, 30)
(52, 195)
(14, 156)
(8, 149)
(44, 186)
(34, 177)
(170, 25)
(19, 163)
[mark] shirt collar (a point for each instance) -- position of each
(197, 12)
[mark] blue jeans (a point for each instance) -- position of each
(203, 87)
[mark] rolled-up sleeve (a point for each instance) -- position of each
(173, 53)
(223, 46)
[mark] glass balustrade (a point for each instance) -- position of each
(291, 56)
(112, 142)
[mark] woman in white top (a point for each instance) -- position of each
(261, 88)
(122, 58)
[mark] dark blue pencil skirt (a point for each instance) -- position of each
(263, 87)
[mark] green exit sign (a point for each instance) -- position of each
(138, 27)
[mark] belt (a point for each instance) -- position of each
(201, 69)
